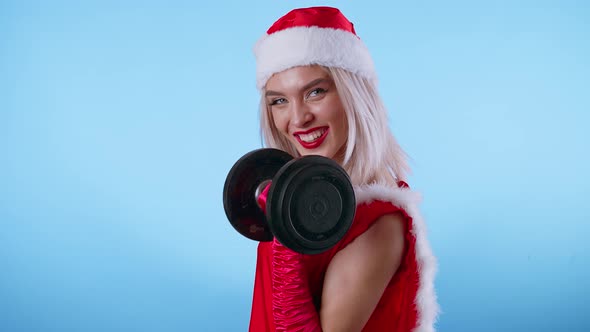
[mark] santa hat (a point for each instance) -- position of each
(307, 36)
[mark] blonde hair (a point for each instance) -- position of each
(372, 152)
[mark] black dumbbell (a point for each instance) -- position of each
(310, 203)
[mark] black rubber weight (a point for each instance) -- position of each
(239, 201)
(312, 204)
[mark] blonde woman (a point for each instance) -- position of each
(319, 96)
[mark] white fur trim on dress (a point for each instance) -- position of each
(300, 46)
(409, 200)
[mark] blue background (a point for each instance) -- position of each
(120, 120)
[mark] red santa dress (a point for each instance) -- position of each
(408, 302)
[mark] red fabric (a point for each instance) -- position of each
(396, 310)
(292, 303)
(322, 17)
(261, 199)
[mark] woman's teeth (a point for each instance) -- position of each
(308, 138)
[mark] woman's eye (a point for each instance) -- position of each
(278, 101)
(316, 92)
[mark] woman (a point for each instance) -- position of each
(319, 96)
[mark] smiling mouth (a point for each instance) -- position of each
(313, 138)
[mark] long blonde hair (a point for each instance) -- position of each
(372, 152)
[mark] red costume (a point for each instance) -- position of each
(288, 286)
(407, 304)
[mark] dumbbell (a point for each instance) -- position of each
(310, 204)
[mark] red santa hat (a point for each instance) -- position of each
(307, 36)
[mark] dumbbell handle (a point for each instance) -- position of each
(263, 195)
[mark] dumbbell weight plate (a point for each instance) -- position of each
(311, 204)
(239, 199)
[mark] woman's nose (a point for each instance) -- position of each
(301, 115)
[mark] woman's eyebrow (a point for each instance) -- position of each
(314, 82)
(272, 93)
(269, 93)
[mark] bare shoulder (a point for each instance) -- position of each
(358, 274)
(387, 227)
(382, 242)
(373, 255)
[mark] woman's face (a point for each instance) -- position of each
(306, 109)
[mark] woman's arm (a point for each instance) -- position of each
(358, 274)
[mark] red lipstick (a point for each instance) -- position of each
(316, 143)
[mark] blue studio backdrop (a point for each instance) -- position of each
(119, 121)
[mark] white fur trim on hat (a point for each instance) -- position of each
(300, 46)
(408, 200)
